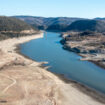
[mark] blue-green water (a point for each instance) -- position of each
(64, 62)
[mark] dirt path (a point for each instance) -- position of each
(9, 86)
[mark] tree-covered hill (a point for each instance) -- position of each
(48, 23)
(13, 24)
(87, 25)
(57, 27)
(13, 27)
(65, 23)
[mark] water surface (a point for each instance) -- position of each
(64, 62)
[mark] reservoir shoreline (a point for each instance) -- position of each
(75, 45)
(60, 91)
(83, 88)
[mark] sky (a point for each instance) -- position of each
(53, 8)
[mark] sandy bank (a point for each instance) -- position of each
(23, 82)
(89, 45)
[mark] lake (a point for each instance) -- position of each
(64, 62)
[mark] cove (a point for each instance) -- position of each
(64, 62)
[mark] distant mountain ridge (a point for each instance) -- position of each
(46, 23)
(65, 23)
(98, 18)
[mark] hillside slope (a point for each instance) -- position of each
(11, 27)
(87, 25)
(65, 23)
(13, 24)
(48, 23)
(98, 18)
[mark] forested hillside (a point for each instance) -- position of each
(87, 25)
(12, 27)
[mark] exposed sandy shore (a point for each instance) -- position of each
(23, 82)
(89, 45)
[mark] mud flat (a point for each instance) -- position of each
(24, 82)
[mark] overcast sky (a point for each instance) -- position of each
(54, 8)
